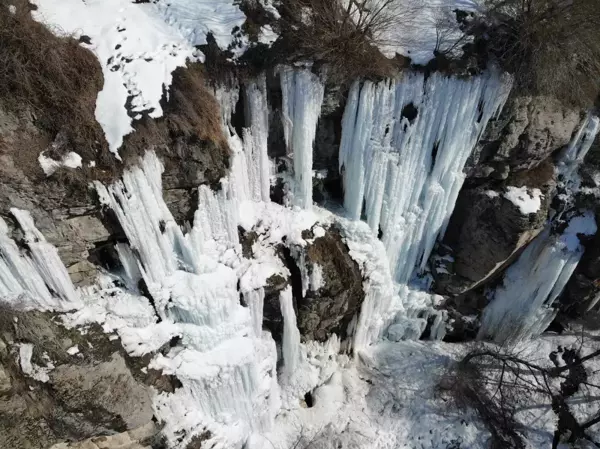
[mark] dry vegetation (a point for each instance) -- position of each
(54, 80)
(552, 47)
(344, 38)
(50, 85)
(498, 383)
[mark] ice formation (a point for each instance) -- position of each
(302, 98)
(522, 305)
(404, 146)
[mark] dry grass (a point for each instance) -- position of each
(51, 77)
(552, 47)
(191, 122)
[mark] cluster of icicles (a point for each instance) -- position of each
(402, 174)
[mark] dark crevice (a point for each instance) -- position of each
(434, 153)
(308, 398)
(238, 120)
(410, 112)
(295, 276)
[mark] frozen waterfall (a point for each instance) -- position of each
(302, 98)
(522, 305)
(404, 145)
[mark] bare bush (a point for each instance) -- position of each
(52, 77)
(551, 46)
(497, 383)
(345, 34)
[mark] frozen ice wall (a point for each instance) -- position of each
(250, 166)
(404, 145)
(302, 99)
(225, 364)
(522, 305)
(40, 274)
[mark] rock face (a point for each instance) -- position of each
(487, 230)
(529, 130)
(326, 286)
(59, 385)
(332, 290)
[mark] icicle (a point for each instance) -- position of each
(255, 299)
(302, 98)
(250, 166)
(255, 139)
(291, 334)
(18, 273)
(521, 307)
(47, 263)
(404, 145)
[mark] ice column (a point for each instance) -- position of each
(291, 334)
(302, 99)
(46, 261)
(255, 299)
(250, 166)
(404, 145)
(521, 307)
(154, 236)
(18, 273)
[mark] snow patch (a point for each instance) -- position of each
(49, 165)
(528, 203)
(39, 373)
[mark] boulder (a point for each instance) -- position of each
(528, 131)
(487, 229)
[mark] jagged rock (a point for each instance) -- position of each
(332, 285)
(487, 231)
(528, 131)
(97, 390)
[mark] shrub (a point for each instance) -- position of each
(551, 46)
(343, 37)
(52, 77)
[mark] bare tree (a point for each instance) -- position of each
(498, 382)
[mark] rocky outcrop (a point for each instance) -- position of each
(487, 230)
(140, 438)
(529, 130)
(332, 290)
(326, 285)
(582, 293)
(59, 385)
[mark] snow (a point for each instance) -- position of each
(528, 203)
(381, 149)
(12, 9)
(139, 45)
(73, 350)
(49, 165)
(39, 373)
(267, 36)
(492, 193)
(302, 98)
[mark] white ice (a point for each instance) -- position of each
(403, 149)
(302, 99)
(528, 203)
(49, 165)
